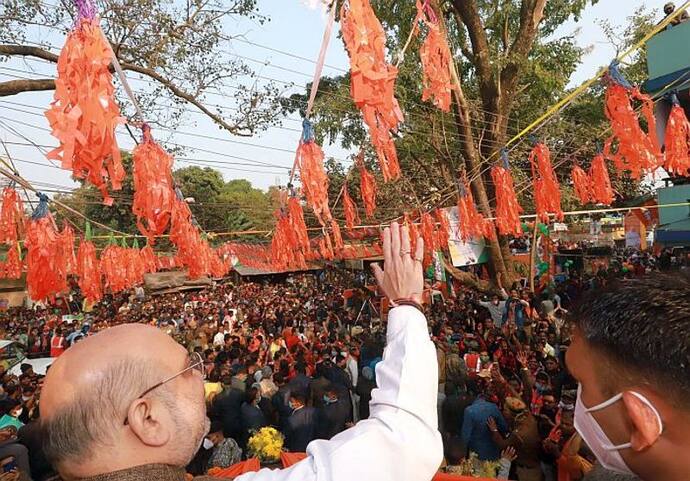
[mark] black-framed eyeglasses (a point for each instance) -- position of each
(195, 362)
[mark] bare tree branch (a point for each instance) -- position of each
(13, 87)
(28, 51)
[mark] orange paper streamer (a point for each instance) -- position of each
(637, 151)
(602, 192)
(337, 236)
(443, 230)
(372, 80)
(83, 115)
(507, 208)
(368, 188)
(298, 224)
(582, 184)
(148, 259)
(89, 272)
(547, 194)
(473, 225)
(436, 60)
(351, 214)
(677, 137)
(314, 179)
(47, 272)
(154, 194)
(12, 267)
(11, 216)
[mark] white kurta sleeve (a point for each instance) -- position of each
(400, 441)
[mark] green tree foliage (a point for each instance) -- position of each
(217, 205)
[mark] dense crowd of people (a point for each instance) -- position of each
(300, 354)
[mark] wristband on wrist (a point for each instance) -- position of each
(408, 302)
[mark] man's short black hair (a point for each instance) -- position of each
(643, 325)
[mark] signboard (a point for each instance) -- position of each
(464, 253)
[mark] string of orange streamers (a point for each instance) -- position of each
(677, 137)
(46, 270)
(507, 208)
(298, 224)
(602, 191)
(313, 176)
(547, 193)
(443, 231)
(193, 252)
(83, 115)
(638, 152)
(472, 224)
(367, 186)
(284, 245)
(351, 214)
(12, 267)
(582, 184)
(154, 194)
(11, 216)
(148, 259)
(436, 58)
(67, 249)
(372, 80)
(89, 272)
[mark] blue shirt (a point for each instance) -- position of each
(475, 432)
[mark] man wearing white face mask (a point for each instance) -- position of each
(631, 355)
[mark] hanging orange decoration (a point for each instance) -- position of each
(372, 80)
(312, 174)
(148, 258)
(436, 60)
(47, 273)
(677, 137)
(337, 236)
(154, 194)
(368, 187)
(84, 115)
(602, 191)
(11, 216)
(67, 249)
(113, 265)
(285, 249)
(429, 235)
(471, 222)
(507, 208)
(637, 152)
(12, 267)
(89, 272)
(298, 224)
(192, 250)
(351, 214)
(414, 231)
(547, 193)
(582, 184)
(443, 230)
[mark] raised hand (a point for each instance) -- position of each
(509, 454)
(491, 424)
(403, 275)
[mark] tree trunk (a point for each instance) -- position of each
(473, 164)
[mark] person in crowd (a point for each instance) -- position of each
(145, 408)
(630, 354)
(224, 451)
(301, 426)
(475, 431)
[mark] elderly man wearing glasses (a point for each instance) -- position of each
(128, 403)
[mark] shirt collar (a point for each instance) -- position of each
(148, 472)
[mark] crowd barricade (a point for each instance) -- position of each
(288, 459)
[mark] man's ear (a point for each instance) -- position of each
(146, 419)
(646, 428)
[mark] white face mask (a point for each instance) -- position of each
(208, 444)
(606, 452)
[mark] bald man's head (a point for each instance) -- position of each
(92, 406)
